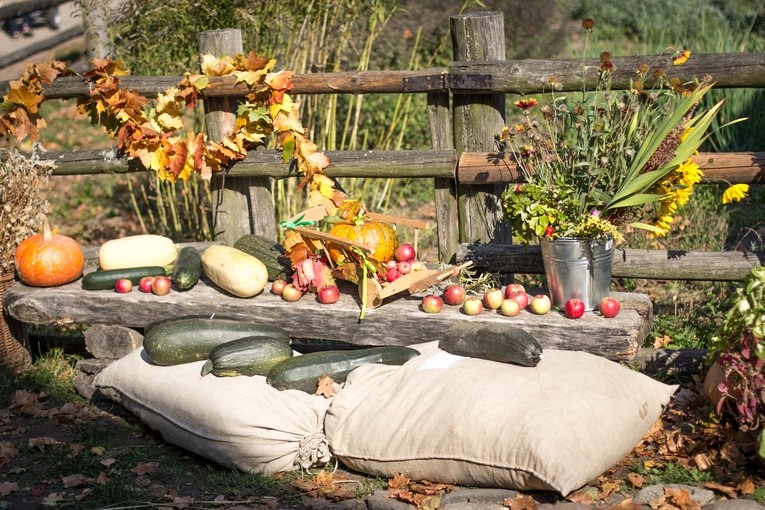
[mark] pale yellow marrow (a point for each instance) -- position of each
(235, 271)
(137, 251)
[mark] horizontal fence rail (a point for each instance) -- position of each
(718, 167)
(627, 263)
(471, 168)
(739, 70)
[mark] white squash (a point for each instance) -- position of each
(137, 251)
(235, 271)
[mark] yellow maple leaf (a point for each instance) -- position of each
(213, 66)
(286, 106)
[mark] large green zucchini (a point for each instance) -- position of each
(303, 372)
(189, 339)
(495, 342)
(269, 252)
(251, 355)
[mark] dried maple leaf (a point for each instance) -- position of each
(586, 496)
(660, 342)
(520, 502)
(324, 386)
(729, 492)
(747, 487)
(8, 452)
(398, 481)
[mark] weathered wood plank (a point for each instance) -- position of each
(241, 206)
(399, 321)
(269, 163)
(728, 70)
(445, 193)
(478, 118)
(718, 167)
(628, 263)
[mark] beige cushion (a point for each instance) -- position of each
(473, 422)
(239, 422)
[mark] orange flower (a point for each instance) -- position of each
(681, 58)
(525, 104)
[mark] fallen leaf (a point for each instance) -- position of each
(729, 492)
(636, 480)
(660, 342)
(702, 461)
(682, 499)
(75, 449)
(54, 498)
(97, 450)
(8, 487)
(8, 452)
(144, 468)
(747, 487)
(520, 503)
(108, 461)
(74, 480)
(626, 504)
(102, 478)
(324, 386)
(606, 489)
(41, 442)
(398, 481)
(585, 496)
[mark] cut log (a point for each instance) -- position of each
(87, 370)
(111, 342)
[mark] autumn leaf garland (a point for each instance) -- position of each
(155, 135)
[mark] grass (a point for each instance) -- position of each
(671, 473)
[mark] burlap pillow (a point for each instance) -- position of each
(473, 422)
(239, 422)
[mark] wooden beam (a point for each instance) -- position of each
(476, 168)
(628, 263)
(399, 321)
(269, 163)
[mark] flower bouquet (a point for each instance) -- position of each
(597, 160)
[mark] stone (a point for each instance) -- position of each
(653, 492)
(496, 496)
(379, 500)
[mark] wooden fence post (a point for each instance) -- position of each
(242, 205)
(478, 119)
(447, 215)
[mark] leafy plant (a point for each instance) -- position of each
(740, 351)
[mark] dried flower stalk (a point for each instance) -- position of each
(23, 181)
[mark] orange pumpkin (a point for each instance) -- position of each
(47, 259)
(379, 236)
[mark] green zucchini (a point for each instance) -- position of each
(251, 355)
(188, 268)
(188, 339)
(303, 372)
(494, 342)
(101, 280)
(269, 252)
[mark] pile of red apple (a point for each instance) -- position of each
(404, 261)
(158, 285)
(510, 301)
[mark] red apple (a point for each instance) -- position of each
(454, 294)
(277, 287)
(472, 306)
(391, 264)
(404, 267)
(123, 286)
(519, 297)
(161, 285)
(404, 252)
(540, 304)
(417, 265)
(509, 308)
(329, 294)
(514, 287)
(392, 275)
(492, 299)
(144, 284)
(291, 294)
(609, 307)
(574, 308)
(432, 304)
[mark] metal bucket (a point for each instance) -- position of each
(578, 268)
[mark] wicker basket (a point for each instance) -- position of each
(14, 355)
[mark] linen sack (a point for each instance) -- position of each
(473, 422)
(240, 422)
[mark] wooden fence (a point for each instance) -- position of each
(466, 109)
